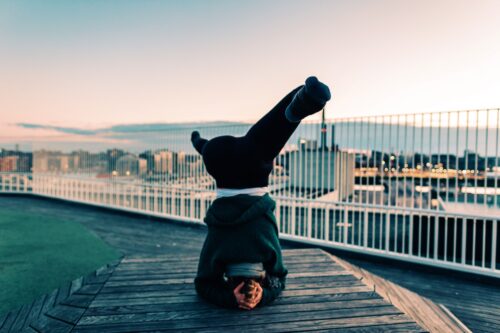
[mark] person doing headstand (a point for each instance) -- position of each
(240, 263)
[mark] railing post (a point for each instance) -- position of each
(365, 228)
(464, 239)
(387, 230)
(326, 223)
(436, 236)
(309, 221)
(345, 225)
(494, 245)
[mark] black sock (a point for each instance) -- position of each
(198, 142)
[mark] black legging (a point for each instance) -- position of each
(273, 130)
(247, 161)
(269, 134)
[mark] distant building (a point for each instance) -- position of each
(129, 165)
(15, 160)
(112, 156)
(143, 166)
(148, 156)
(41, 161)
(9, 164)
(164, 161)
(55, 161)
(322, 171)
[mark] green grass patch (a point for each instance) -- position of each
(40, 253)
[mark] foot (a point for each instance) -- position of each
(197, 141)
(310, 99)
(195, 135)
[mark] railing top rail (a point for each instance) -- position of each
(405, 210)
(410, 114)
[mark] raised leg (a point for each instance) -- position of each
(270, 134)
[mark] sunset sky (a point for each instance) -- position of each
(95, 64)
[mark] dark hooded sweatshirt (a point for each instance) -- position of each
(241, 228)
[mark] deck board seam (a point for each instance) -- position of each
(13, 323)
(26, 315)
(114, 265)
(249, 325)
(386, 290)
(49, 303)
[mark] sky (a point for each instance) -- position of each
(91, 65)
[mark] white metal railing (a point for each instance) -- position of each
(419, 187)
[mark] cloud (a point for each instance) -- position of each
(66, 130)
(131, 137)
(130, 128)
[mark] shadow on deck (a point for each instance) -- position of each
(156, 293)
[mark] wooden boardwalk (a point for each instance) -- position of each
(157, 294)
(475, 303)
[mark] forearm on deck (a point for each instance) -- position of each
(215, 291)
(272, 290)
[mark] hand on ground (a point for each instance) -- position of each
(245, 302)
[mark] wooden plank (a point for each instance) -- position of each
(89, 289)
(95, 279)
(192, 298)
(304, 258)
(100, 300)
(49, 324)
(326, 291)
(190, 290)
(35, 310)
(302, 252)
(371, 327)
(159, 259)
(76, 285)
(170, 268)
(151, 275)
(9, 320)
(21, 318)
(175, 268)
(198, 304)
(425, 312)
(287, 256)
(118, 283)
(28, 329)
(104, 270)
(404, 327)
(172, 273)
(290, 285)
(311, 274)
(325, 324)
(78, 300)
(66, 313)
(461, 295)
(155, 274)
(181, 268)
(237, 318)
(218, 312)
(319, 279)
(63, 292)
(313, 265)
(491, 318)
(3, 317)
(481, 325)
(48, 302)
(175, 282)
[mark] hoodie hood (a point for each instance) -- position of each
(238, 209)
